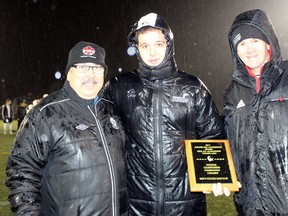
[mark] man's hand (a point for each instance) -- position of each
(219, 190)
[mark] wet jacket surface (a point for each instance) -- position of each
(68, 159)
(257, 126)
(160, 107)
(158, 115)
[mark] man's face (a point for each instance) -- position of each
(86, 82)
(254, 53)
(152, 46)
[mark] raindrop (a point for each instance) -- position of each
(44, 138)
(53, 7)
(57, 75)
(131, 51)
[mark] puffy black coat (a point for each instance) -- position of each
(158, 115)
(257, 126)
(68, 159)
(160, 108)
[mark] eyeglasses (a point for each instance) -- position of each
(83, 69)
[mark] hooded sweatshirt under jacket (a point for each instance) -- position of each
(257, 126)
(160, 108)
(68, 159)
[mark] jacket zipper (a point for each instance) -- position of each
(157, 116)
(110, 163)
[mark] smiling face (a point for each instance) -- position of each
(88, 84)
(254, 53)
(152, 46)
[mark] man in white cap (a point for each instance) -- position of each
(160, 107)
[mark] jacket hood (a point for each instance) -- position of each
(155, 21)
(259, 20)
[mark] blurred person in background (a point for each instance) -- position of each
(21, 112)
(7, 116)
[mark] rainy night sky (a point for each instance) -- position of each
(36, 36)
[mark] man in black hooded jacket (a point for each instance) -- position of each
(256, 116)
(160, 107)
(68, 155)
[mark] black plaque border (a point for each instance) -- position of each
(208, 187)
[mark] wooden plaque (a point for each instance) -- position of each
(210, 162)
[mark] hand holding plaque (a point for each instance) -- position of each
(210, 162)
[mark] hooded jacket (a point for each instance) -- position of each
(68, 159)
(257, 126)
(160, 108)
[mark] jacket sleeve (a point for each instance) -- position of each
(24, 169)
(230, 125)
(209, 124)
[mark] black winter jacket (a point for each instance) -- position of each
(257, 127)
(160, 108)
(158, 115)
(68, 159)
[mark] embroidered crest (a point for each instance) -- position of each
(88, 50)
(131, 93)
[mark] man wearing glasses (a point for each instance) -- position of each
(67, 158)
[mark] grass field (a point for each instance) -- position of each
(217, 206)
(5, 145)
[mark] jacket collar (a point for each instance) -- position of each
(166, 69)
(74, 96)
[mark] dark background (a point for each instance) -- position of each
(36, 36)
